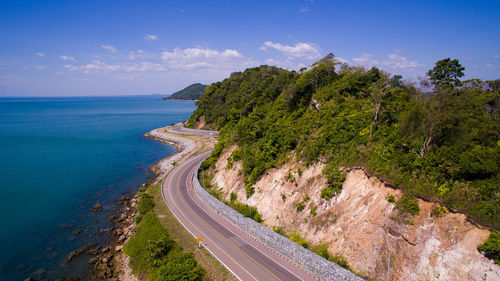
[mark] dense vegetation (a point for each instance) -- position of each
(441, 145)
(491, 247)
(191, 92)
(153, 252)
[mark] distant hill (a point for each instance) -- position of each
(191, 92)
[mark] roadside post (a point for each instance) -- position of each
(200, 243)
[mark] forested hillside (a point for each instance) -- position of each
(191, 92)
(442, 145)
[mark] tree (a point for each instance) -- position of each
(377, 93)
(446, 73)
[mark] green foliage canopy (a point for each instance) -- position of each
(442, 146)
(446, 73)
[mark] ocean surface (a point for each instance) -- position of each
(59, 157)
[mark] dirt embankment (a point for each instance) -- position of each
(360, 219)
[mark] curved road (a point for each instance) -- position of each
(241, 254)
(188, 131)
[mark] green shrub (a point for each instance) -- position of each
(138, 218)
(289, 176)
(322, 250)
(148, 231)
(491, 247)
(390, 198)
(439, 211)
(245, 210)
(249, 190)
(334, 176)
(299, 172)
(145, 203)
(302, 204)
(329, 191)
(180, 267)
(295, 237)
(229, 164)
(283, 196)
(152, 251)
(313, 211)
(233, 197)
(236, 154)
(340, 260)
(408, 204)
(278, 230)
(409, 222)
(143, 188)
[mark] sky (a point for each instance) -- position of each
(94, 48)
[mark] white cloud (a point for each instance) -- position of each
(68, 58)
(196, 62)
(489, 65)
(40, 54)
(132, 55)
(144, 67)
(341, 60)
(394, 61)
(304, 9)
(95, 66)
(109, 48)
(299, 51)
(150, 37)
(366, 60)
(198, 58)
(40, 67)
(399, 62)
(99, 66)
(496, 56)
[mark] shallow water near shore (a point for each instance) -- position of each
(59, 157)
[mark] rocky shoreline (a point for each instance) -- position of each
(110, 263)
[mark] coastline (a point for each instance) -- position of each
(178, 99)
(125, 221)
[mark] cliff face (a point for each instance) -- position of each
(424, 247)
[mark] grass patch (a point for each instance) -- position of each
(214, 270)
(153, 252)
(322, 250)
(295, 237)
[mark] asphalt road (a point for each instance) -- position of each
(188, 131)
(241, 254)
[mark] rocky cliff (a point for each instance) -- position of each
(361, 224)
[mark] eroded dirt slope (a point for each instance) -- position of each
(424, 247)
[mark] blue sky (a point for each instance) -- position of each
(75, 48)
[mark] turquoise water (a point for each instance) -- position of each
(60, 156)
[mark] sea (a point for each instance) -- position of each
(61, 156)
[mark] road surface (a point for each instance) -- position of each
(241, 254)
(187, 131)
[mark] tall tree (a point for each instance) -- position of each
(446, 73)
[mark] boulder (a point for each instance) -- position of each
(96, 207)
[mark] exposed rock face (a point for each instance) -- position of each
(360, 218)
